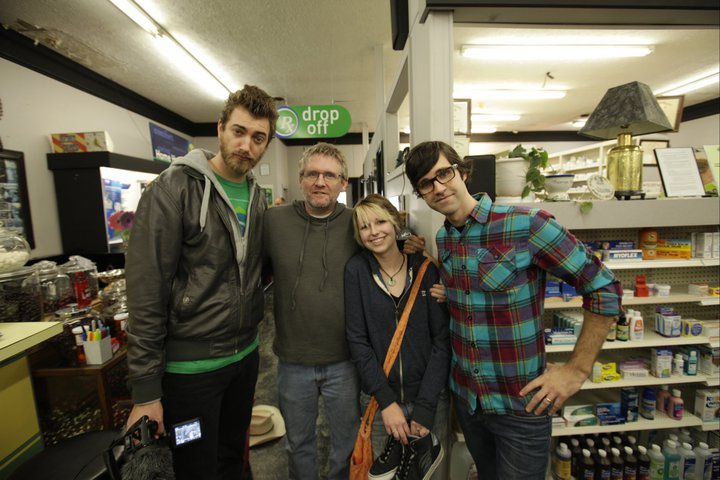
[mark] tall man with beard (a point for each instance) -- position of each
(193, 273)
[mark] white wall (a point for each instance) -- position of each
(35, 106)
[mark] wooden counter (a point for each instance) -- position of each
(17, 337)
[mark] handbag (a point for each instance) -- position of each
(362, 455)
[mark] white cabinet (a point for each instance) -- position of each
(620, 220)
(582, 162)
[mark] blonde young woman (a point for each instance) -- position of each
(412, 399)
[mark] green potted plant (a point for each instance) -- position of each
(537, 160)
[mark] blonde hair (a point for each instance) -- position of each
(374, 206)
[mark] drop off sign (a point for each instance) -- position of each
(312, 121)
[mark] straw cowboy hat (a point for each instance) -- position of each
(266, 424)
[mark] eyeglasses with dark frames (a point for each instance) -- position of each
(329, 177)
(443, 176)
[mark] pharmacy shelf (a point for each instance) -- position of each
(653, 264)
(644, 382)
(654, 300)
(651, 339)
(708, 426)
(661, 421)
(713, 381)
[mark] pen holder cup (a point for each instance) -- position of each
(98, 353)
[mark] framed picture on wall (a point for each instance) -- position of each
(673, 108)
(648, 147)
(14, 199)
(461, 116)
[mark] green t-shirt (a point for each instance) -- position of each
(239, 195)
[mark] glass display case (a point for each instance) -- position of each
(97, 193)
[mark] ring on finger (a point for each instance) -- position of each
(548, 400)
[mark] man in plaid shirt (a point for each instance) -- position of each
(494, 263)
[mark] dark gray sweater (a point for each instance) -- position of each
(308, 257)
(421, 370)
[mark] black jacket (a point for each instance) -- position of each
(421, 370)
(193, 281)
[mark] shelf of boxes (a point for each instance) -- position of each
(645, 382)
(654, 300)
(661, 421)
(653, 264)
(651, 339)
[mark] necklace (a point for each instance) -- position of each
(391, 278)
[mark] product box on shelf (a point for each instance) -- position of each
(691, 327)
(610, 413)
(661, 362)
(81, 142)
(698, 288)
(612, 245)
(667, 321)
(702, 244)
(709, 361)
(673, 248)
(707, 404)
(716, 245)
(629, 404)
(605, 372)
(624, 255)
(579, 415)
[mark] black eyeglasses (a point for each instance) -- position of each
(444, 175)
(329, 177)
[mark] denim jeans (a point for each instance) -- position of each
(222, 399)
(440, 426)
(299, 388)
(507, 446)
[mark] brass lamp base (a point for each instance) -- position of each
(624, 167)
(629, 195)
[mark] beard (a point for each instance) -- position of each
(239, 162)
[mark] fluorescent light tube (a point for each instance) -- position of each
(494, 117)
(692, 85)
(483, 129)
(557, 52)
(191, 67)
(138, 16)
(509, 94)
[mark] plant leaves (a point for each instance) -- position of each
(585, 207)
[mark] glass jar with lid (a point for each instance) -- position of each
(14, 251)
(83, 278)
(20, 298)
(57, 292)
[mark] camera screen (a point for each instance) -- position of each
(187, 432)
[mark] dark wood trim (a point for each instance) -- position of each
(701, 110)
(92, 160)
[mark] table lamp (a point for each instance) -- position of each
(624, 111)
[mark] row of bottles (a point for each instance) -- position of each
(629, 326)
(606, 458)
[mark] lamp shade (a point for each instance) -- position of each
(630, 108)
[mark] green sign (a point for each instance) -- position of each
(312, 121)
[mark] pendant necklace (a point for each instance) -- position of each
(391, 278)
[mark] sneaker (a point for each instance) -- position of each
(421, 458)
(387, 463)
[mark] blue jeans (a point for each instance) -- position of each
(507, 446)
(299, 387)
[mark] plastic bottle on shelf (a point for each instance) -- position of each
(631, 442)
(637, 326)
(643, 464)
(673, 467)
(703, 462)
(590, 446)
(630, 465)
(80, 357)
(676, 406)
(562, 462)
(623, 328)
(612, 333)
(678, 365)
(685, 437)
(663, 398)
(688, 461)
(657, 462)
(616, 465)
(692, 362)
(603, 469)
(576, 452)
(648, 403)
(586, 469)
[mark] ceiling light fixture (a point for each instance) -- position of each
(510, 94)
(579, 123)
(174, 50)
(137, 15)
(554, 52)
(483, 129)
(691, 85)
(494, 117)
